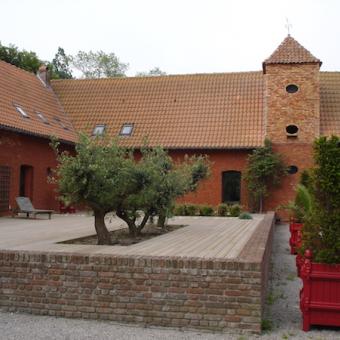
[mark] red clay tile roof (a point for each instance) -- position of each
(290, 52)
(25, 90)
(330, 103)
(181, 111)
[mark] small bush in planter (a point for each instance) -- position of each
(222, 210)
(321, 232)
(235, 210)
(206, 210)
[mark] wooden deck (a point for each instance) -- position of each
(204, 237)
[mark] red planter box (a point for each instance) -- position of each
(69, 209)
(295, 236)
(320, 295)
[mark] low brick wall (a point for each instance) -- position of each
(181, 292)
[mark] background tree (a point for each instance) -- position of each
(265, 168)
(28, 61)
(107, 178)
(60, 66)
(98, 64)
(156, 71)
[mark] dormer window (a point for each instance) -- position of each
(21, 111)
(98, 130)
(42, 117)
(126, 130)
(57, 119)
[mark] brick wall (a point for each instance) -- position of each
(301, 108)
(181, 292)
(18, 149)
(210, 190)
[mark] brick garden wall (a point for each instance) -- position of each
(181, 292)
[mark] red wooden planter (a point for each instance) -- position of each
(295, 236)
(299, 261)
(320, 294)
(69, 209)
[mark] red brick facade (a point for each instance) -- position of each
(19, 150)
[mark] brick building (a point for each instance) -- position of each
(223, 115)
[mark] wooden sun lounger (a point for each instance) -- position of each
(25, 206)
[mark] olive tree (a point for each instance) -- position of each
(107, 177)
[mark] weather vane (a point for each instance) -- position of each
(288, 26)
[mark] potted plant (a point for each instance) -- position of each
(299, 210)
(320, 270)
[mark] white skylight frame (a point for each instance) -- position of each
(126, 129)
(23, 113)
(42, 117)
(99, 130)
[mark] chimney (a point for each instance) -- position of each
(44, 75)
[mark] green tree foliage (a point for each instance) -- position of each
(156, 71)
(60, 66)
(107, 178)
(26, 60)
(98, 64)
(265, 168)
(321, 232)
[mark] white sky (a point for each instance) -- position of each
(179, 36)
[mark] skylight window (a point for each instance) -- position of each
(42, 117)
(126, 130)
(57, 119)
(98, 130)
(21, 111)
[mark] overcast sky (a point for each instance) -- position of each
(179, 36)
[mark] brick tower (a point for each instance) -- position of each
(292, 116)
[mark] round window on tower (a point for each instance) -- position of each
(292, 88)
(292, 130)
(292, 169)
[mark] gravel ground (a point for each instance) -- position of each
(282, 315)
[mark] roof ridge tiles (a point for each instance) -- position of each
(157, 77)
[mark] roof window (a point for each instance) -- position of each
(57, 119)
(21, 111)
(42, 117)
(98, 130)
(126, 130)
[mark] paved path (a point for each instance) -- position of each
(282, 310)
(206, 237)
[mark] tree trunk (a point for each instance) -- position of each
(131, 223)
(161, 219)
(143, 223)
(102, 232)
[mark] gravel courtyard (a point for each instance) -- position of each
(282, 314)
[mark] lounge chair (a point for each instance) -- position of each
(25, 206)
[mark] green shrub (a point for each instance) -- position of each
(191, 210)
(222, 209)
(179, 210)
(206, 210)
(321, 232)
(235, 210)
(245, 216)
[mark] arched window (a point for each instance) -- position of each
(231, 186)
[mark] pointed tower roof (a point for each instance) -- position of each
(290, 52)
